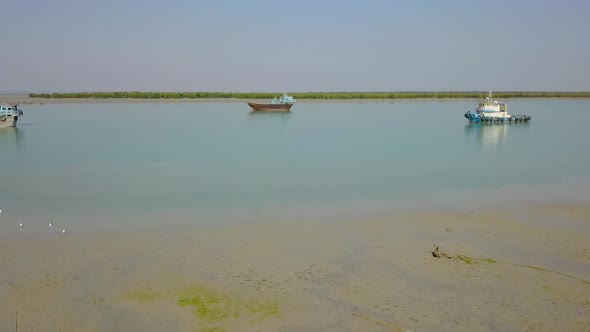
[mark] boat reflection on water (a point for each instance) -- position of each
(9, 137)
(268, 122)
(491, 135)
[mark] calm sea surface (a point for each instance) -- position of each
(122, 163)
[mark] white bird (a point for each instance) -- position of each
(0, 211)
(64, 231)
(21, 225)
(50, 224)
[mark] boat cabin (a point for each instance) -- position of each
(285, 99)
(489, 105)
(9, 109)
(4, 109)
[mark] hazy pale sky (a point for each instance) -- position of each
(304, 45)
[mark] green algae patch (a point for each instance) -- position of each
(472, 260)
(466, 259)
(437, 252)
(262, 310)
(209, 305)
(213, 306)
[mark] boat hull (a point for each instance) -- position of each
(270, 107)
(8, 121)
(476, 117)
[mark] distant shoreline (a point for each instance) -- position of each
(199, 97)
(314, 95)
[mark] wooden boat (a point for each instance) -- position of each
(283, 104)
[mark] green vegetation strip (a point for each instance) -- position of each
(317, 95)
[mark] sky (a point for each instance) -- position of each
(294, 46)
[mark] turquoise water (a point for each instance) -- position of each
(114, 162)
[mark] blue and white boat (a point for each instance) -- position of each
(490, 110)
(9, 115)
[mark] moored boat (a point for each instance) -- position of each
(9, 115)
(283, 104)
(490, 110)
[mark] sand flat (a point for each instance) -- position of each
(375, 274)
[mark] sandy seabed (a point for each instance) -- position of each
(523, 269)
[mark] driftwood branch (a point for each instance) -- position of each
(439, 253)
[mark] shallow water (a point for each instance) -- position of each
(210, 218)
(115, 164)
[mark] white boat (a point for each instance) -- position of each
(9, 115)
(490, 110)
